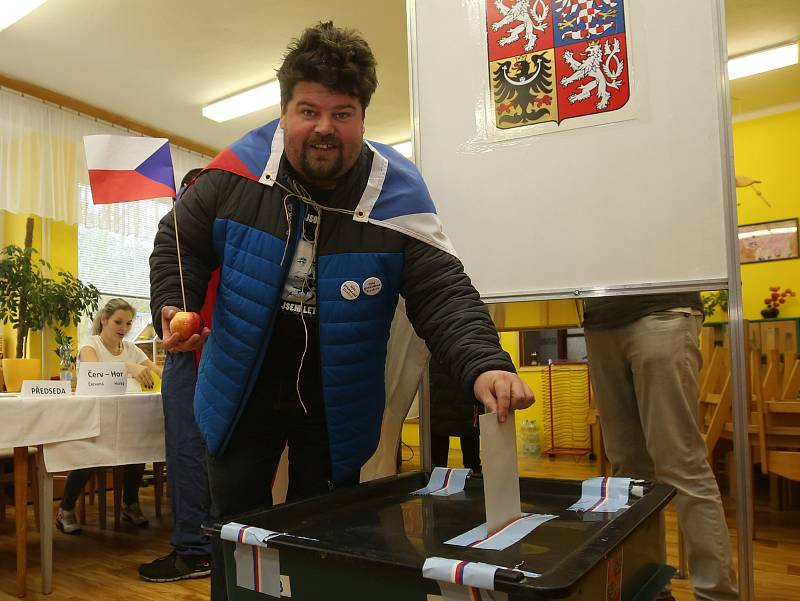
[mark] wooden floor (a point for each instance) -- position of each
(100, 565)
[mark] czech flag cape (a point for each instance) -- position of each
(395, 197)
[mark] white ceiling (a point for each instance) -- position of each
(158, 62)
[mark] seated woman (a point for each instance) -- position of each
(106, 344)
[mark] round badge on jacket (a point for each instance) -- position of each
(350, 290)
(372, 286)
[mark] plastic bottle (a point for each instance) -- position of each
(533, 440)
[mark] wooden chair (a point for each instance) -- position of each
(781, 417)
(773, 385)
(99, 483)
(7, 477)
(714, 402)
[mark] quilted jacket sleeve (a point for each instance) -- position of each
(195, 212)
(447, 312)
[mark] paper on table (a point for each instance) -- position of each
(500, 471)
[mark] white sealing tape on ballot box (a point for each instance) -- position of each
(479, 537)
(465, 580)
(445, 482)
(603, 495)
(257, 567)
(248, 535)
(466, 573)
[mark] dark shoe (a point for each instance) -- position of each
(176, 567)
(133, 513)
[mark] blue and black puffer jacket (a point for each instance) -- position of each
(229, 220)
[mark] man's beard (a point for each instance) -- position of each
(322, 171)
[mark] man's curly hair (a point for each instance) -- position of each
(337, 58)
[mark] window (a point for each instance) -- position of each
(115, 242)
(114, 246)
(541, 346)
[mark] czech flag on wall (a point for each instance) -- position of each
(126, 168)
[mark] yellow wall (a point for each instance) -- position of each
(63, 256)
(531, 376)
(14, 233)
(766, 149)
(536, 314)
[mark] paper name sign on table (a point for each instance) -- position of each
(500, 471)
(46, 388)
(102, 378)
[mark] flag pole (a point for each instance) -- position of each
(178, 247)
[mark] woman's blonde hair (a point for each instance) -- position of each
(111, 307)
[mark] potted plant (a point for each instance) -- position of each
(31, 301)
(66, 360)
(776, 298)
(714, 300)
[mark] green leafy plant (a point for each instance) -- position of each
(712, 300)
(31, 301)
(64, 350)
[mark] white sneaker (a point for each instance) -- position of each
(133, 514)
(67, 522)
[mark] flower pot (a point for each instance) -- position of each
(770, 313)
(17, 370)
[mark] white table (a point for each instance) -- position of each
(73, 432)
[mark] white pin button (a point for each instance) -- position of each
(350, 290)
(372, 286)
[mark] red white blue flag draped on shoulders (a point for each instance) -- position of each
(128, 168)
(395, 197)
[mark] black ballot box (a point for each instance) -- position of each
(370, 542)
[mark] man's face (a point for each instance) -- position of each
(323, 132)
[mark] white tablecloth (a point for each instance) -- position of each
(131, 430)
(76, 432)
(28, 421)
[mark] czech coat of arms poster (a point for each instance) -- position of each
(553, 61)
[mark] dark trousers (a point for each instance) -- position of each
(241, 478)
(470, 451)
(77, 479)
(186, 457)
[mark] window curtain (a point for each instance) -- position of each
(42, 162)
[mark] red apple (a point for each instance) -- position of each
(185, 324)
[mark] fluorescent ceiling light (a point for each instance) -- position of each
(12, 11)
(765, 60)
(244, 103)
(405, 148)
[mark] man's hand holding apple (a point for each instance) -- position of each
(183, 331)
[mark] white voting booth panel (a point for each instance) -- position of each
(635, 202)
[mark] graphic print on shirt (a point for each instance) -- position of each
(300, 288)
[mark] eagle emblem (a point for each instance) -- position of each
(523, 89)
(553, 60)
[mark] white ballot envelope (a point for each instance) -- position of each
(500, 471)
